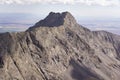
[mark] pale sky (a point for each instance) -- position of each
(79, 8)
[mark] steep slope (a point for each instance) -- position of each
(57, 48)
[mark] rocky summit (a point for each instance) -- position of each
(58, 48)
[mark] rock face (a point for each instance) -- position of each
(57, 48)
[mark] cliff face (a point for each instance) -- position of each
(57, 48)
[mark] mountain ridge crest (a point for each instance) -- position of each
(56, 19)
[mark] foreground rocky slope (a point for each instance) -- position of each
(57, 48)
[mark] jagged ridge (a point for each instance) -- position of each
(57, 48)
(55, 20)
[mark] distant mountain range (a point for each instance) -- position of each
(16, 22)
(58, 48)
(110, 26)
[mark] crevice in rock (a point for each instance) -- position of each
(1, 62)
(40, 70)
(36, 42)
(17, 68)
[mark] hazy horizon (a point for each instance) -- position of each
(20, 22)
(18, 15)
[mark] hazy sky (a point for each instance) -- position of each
(31, 11)
(79, 8)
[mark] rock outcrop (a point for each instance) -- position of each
(57, 48)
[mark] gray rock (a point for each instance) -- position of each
(57, 48)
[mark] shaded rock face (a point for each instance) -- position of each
(57, 48)
(55, 20)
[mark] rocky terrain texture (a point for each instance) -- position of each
(57, 48)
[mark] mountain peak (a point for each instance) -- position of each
(69, 52)
(56, 19)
